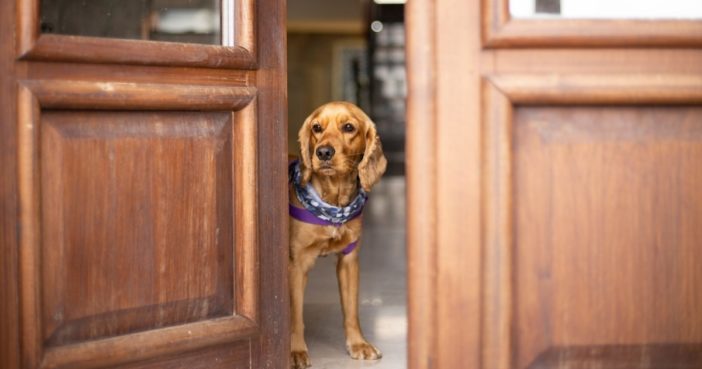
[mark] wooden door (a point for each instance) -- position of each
(554, 178)
(141, 186)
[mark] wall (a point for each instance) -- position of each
(310, 75)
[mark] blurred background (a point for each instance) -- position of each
(352, 51)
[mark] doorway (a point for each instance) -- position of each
(354, 51)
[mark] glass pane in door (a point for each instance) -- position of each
(193, 21)
(607, 9)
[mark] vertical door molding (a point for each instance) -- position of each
(28, 112)
(246, 266)
(497, 218)
(443, 178)
(421, 182)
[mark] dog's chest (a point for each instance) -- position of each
(333, 233)
(333, 239)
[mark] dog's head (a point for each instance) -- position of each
(338, 138)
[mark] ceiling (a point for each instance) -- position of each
(335, 16)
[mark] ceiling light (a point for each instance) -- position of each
(377, 26)
(382, 2)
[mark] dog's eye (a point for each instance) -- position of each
(316, 128)
(348, 127)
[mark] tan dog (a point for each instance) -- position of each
(339, 150)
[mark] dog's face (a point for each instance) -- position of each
(339, 138)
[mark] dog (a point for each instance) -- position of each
(341, 159)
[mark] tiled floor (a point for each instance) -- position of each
(383, 291)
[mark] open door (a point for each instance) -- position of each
(555, 211)
(142, 183)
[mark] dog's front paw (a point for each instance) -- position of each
(299, 360)
(364, 351)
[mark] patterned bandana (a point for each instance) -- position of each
(309, 198)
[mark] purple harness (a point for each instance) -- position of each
(306, 216)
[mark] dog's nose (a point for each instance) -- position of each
(325, 152)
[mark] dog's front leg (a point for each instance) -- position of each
(297, 277)
(347, 273)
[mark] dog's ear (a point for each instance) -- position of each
(305, 151)
(373, 165)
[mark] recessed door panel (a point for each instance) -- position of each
(134, 249)
(606, 239)
(137, 222)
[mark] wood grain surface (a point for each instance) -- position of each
(421, 176)
(131, 231)
(556, 162)
(607, 215)
(9, 294)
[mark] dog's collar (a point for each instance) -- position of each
(317, 211)
(310, 200)
(306, 216)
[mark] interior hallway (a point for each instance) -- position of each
(383, 292)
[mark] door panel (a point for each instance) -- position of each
(132, 246)
(606, 235)
(560, 160)
(140, 240)
(151, 191)
(590, 215)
